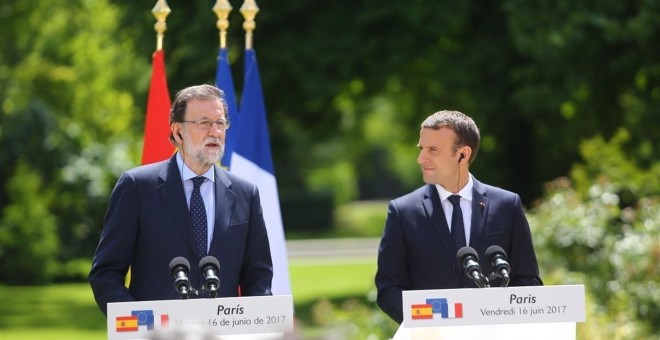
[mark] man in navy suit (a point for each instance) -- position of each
(148, 221)
(418, 249)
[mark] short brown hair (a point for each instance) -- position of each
(467, 132)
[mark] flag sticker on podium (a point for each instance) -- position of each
(139, 318)
(127, 323)
(145, 318)
(436, 306)
(446, 311)
(421, 311)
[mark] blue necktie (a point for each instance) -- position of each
(457, 228)
(198, 215)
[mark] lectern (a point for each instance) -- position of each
(539, 312)
(253, 317)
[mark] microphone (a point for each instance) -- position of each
(469, 261)
(210, 267)
(498, 262)
(179, 268)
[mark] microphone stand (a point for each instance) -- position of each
(505, 280)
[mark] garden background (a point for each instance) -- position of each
(566, 94)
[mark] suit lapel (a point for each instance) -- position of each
(479, 212)
(225, 202)
(171, 192)
(436, 218)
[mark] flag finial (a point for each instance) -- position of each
(161, 10)
(222, 9)
(249, 11)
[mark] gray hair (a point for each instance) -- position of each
(198, 92)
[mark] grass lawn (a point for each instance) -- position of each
(68, 311)
(313, 281)
(63, 311)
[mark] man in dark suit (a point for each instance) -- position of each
(185, 206)
(418, 248)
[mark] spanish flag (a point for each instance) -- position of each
(157, 146)
(422, 311)
(127, 323)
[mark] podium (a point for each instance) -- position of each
(250, 317)
(533, 312)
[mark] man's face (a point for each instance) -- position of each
(203, 147)
(439, 163)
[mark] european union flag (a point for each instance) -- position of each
(440, 306)
(145, 317)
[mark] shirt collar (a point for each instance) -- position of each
(187, 174)
(465, 192)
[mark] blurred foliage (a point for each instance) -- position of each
(361, 219)
(603, 227)
(28, 249)
(307, 212)
(345, 88)
(67, 127)
(612, 161)
(349, 220)
(353, 318)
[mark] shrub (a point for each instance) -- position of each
(604, 225)
(28, 232)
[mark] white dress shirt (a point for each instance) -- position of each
(207, 190)
(466, 206)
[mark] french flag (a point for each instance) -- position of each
(252, 160)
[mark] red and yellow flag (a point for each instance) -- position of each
(421, 311)
(157, 146)
(126, 323)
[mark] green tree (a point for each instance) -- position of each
(67, 79)
(28, 237)
(347, 87)
(345, 90)
(601, 229)
(586, 68)
(539, 77)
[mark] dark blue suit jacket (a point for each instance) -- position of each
(147, 224)
(417, 252)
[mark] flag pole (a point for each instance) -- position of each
(222, 9)
(157, 146)
(224, 80)
(252, 155)
(161, 10)
(249, 9)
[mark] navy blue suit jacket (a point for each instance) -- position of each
(147, 224)
(417, 252)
